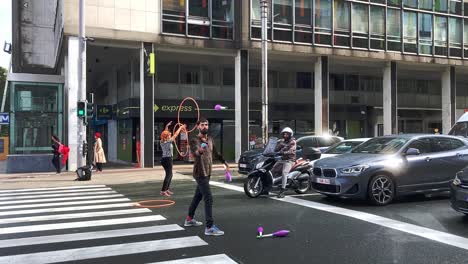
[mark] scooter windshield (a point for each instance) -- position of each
(271, 145)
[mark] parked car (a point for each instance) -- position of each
(383, 168)
(341, 148)
(312, 145)
(459, 191)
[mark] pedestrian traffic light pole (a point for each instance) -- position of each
(81, 84)
(264, 10)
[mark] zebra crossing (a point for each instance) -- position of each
(89, 223)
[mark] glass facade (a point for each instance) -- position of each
(35, 115)
(199, 18)
(422, 27)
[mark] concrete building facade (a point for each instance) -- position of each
(349, 68)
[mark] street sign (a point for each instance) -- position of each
(4, 118)
(104, 112)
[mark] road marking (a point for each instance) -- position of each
(65, 209)
(55, 192)
(38, 201)
(416, 230)
(215, 259)
(88, 236)
(36, 197)
(104, 251)
(63, 203)
(52, 188)
(29, 219)
(80, 224)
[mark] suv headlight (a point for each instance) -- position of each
(354, 169)
(456, 181)
(259, 165)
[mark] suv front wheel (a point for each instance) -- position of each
(381, 190)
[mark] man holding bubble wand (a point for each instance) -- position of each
(203, 150)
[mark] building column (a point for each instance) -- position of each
(390, 105)
(241, 102)
(71, 84)
(448, 99)
(146, 110)
(322, 107)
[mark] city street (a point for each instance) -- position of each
(50, 228)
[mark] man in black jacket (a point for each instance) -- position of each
(203, 149)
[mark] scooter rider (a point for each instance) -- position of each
(286, 147)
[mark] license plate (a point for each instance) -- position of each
(243, 165)
(323, 181)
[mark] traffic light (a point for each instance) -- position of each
(89, 111)
(81, 110)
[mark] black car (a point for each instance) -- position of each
(312, 145)
(459, 191)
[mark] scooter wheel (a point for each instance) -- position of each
(253, 187)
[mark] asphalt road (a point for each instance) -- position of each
(317, 235)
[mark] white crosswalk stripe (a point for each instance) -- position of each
(55, 192)
(131, 230)
(63, 204)
(83, 194)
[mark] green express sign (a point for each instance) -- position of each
(104, 112)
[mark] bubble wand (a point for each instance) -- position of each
(280, 233)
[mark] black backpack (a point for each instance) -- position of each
(83, 173)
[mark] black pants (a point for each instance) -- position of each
(56, 163)
(203, 191)
(167, 165)
(99, 166)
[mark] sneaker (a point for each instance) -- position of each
(213, 231)
(192, 222)
(281, 194)
(169, 192)
(165, 194)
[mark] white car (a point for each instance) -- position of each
(341, 148)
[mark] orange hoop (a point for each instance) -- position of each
(156, 203)
(198, 112)
(177, 148)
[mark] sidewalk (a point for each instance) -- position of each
(107, 177)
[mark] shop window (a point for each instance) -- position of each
(255, 79)
(303, 12)
(323, 22)
(190, 75)
(440, 36)
(304, 80)
(223, 18)
(465, 37)
(377, 27)
(455, 7)
(352, 83)
(393, 30)
(168, 73)
(409, 32)
(341, 23)
(410, 3)
(394, 2)
(198, 8)
(228, 77)
(36, 115)
(256, 16)
(283, 79)
(272, 79)
(360, 25)
(455, 37)
(173, 20)
(425, 4)
(338, 81)
(441, 6)
(425, 34)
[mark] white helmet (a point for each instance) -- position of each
(287, 130)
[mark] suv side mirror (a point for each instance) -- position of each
(413, 152)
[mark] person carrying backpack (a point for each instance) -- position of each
(56, 150)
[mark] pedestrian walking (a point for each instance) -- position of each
(203, 149)
(167, 154)
(99, 156)
(56, 151)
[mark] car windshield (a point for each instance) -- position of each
(385, 145)
(460, 129)
(343, 147)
